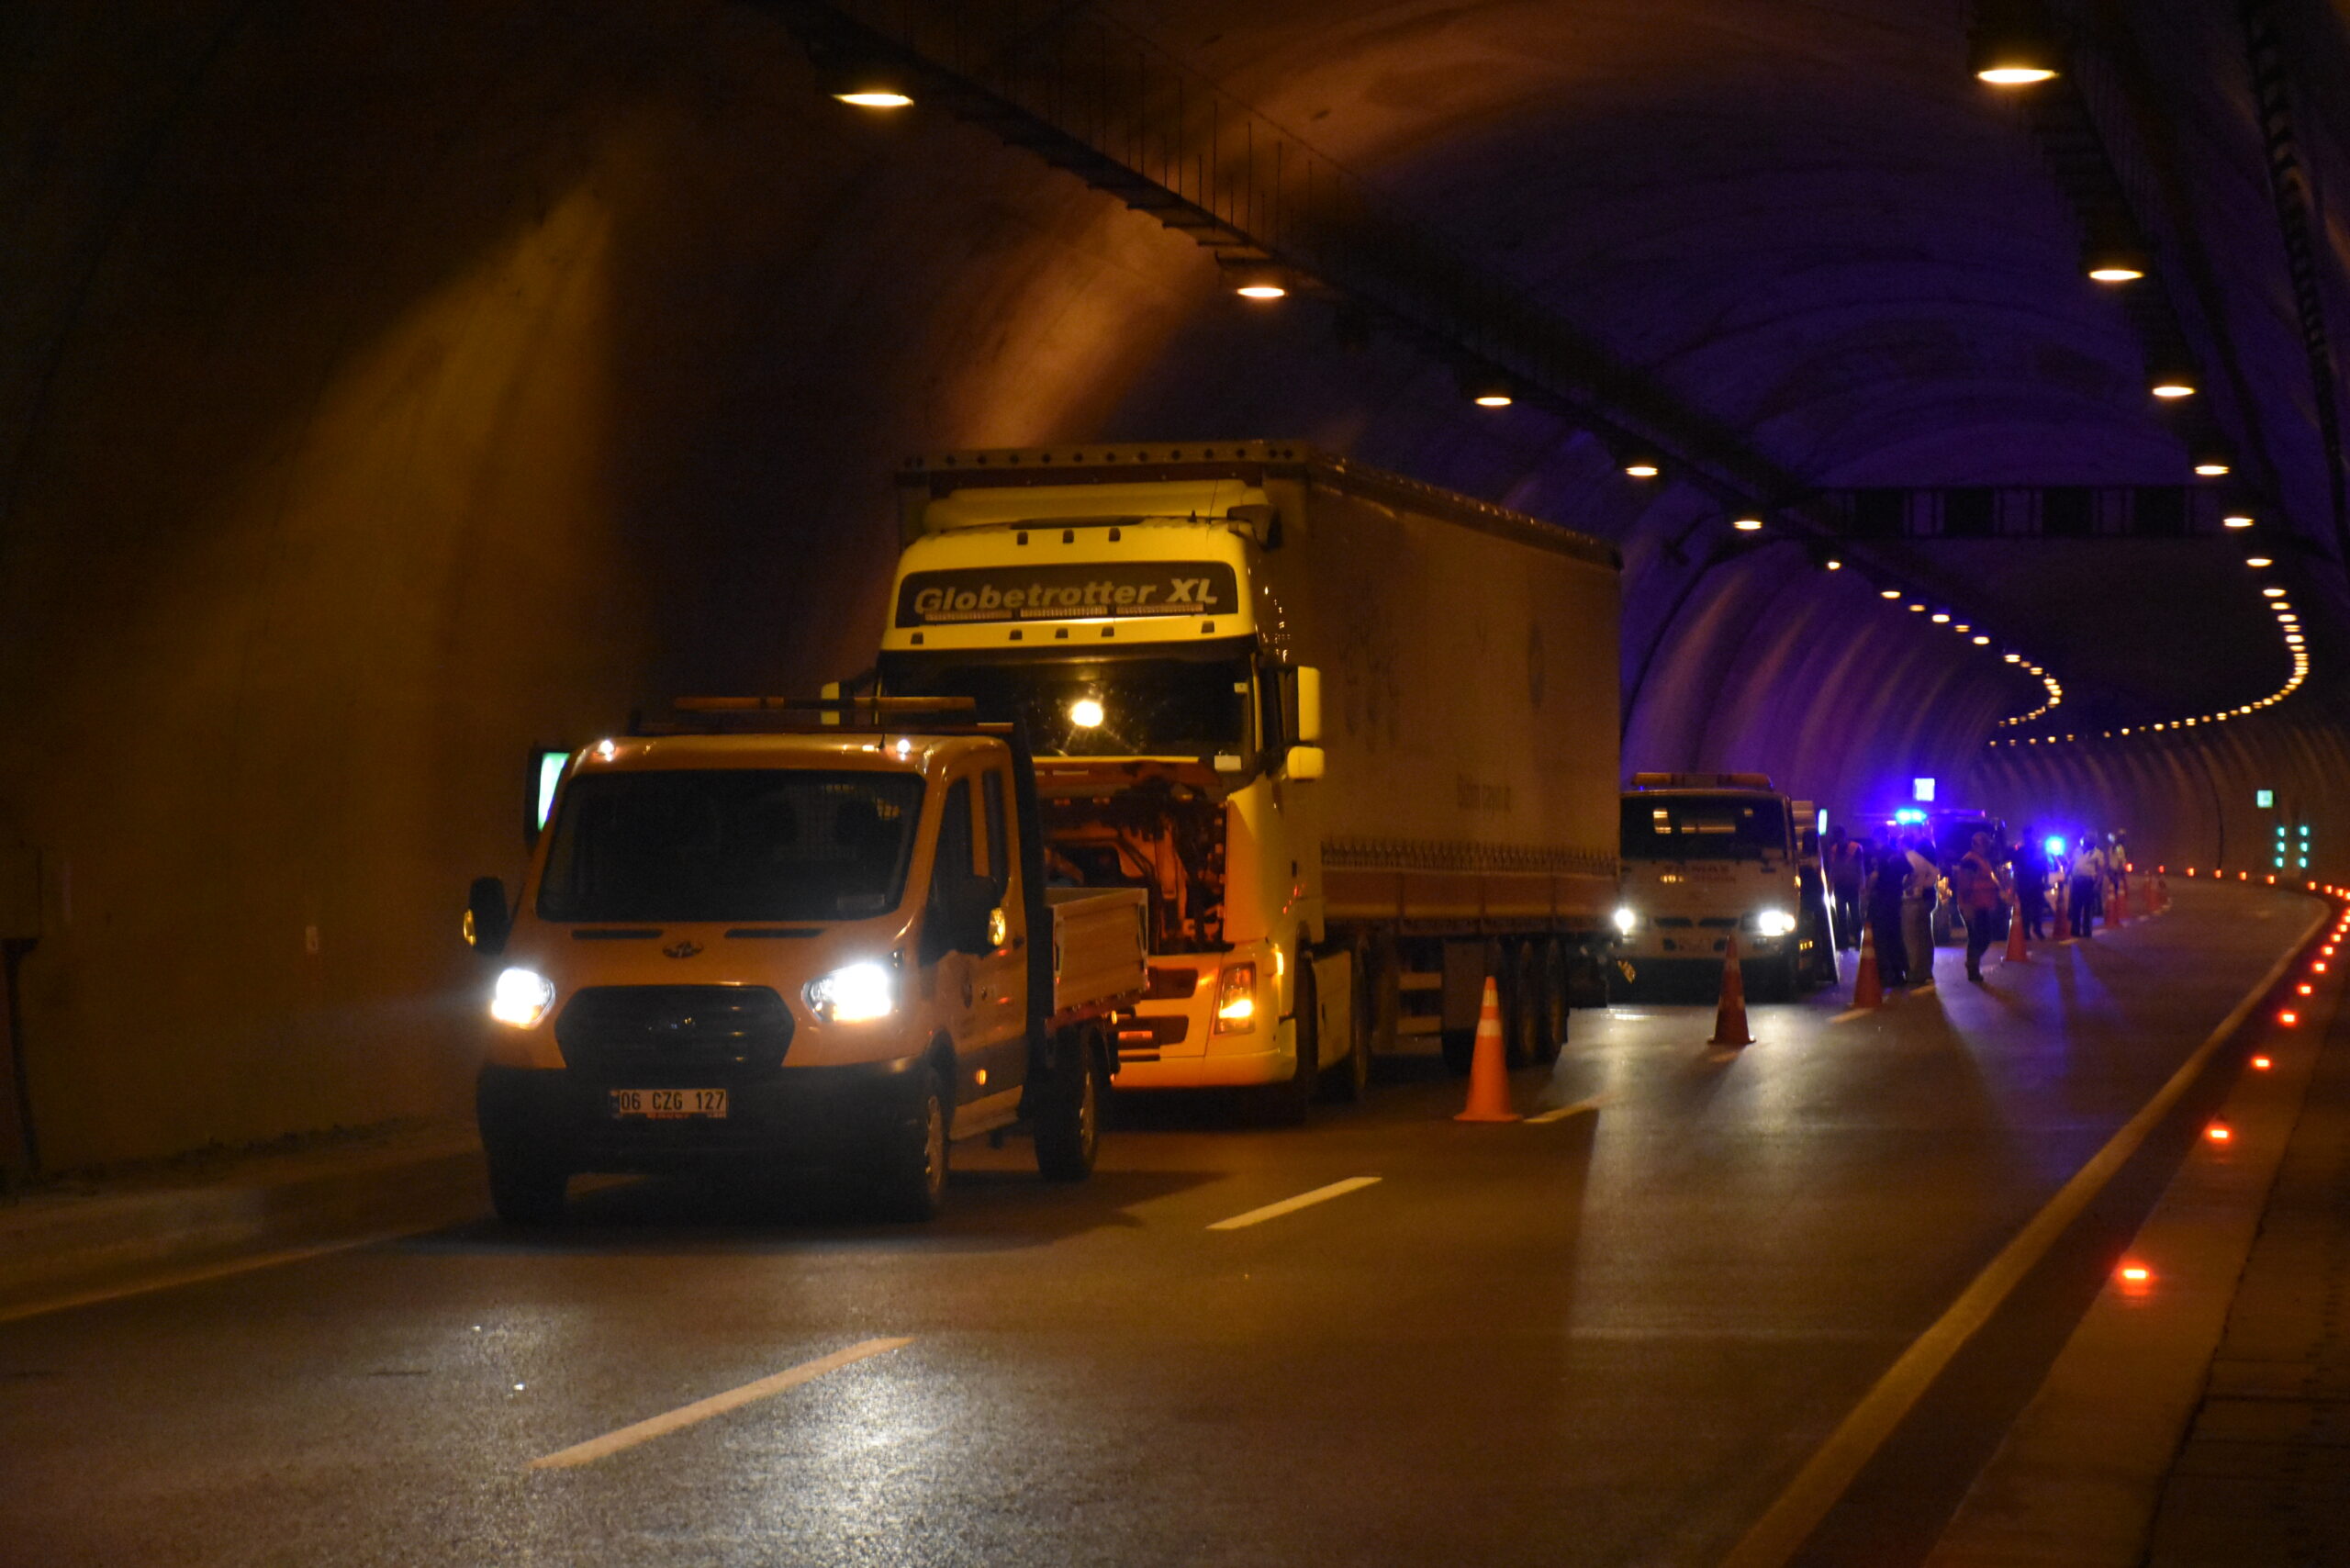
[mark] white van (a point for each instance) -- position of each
(1706, 857)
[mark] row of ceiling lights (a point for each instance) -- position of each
(2013, 46)
(2288, 625)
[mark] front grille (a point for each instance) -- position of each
(1720, 922)
(1673, 921)
(1151, 1033)
(1170, 985)
(651, 1034)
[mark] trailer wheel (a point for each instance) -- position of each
(1069, 1134)
(526, 1186)
(911, 1181)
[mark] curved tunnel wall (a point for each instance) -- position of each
(2191, 803)
(395, 389)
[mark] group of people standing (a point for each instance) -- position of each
(1894, 886)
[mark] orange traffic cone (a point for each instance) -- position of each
(1488, 1069)
(1868, 991)
(1729, 1017)
(2015, 953)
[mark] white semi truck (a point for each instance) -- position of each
(1355, 737)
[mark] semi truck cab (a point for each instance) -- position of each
(753, 943)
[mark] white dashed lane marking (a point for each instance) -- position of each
(716, 1405)
(1291, 1206)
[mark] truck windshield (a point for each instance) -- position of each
(729, 844)
(1134, 707)
(1682, 827)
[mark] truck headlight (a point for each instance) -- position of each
(855, 993)
(1626, 919)
(521, 998)
(1774, 923)
(1235, 1000)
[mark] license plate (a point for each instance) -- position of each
(663, 1104)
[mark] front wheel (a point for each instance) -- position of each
(912, 1176)
(526, 1187)
(1069, 1132)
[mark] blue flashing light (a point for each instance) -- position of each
(1922, 790)
(2053, 844)
(1909, 816)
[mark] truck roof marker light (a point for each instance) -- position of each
(2303, 989)
(2133, 1279)
(2262, 1064)
(2287, 1018)
(2219, 1132)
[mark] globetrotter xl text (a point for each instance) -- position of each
(1066, 591)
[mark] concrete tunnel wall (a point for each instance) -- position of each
(388, 391)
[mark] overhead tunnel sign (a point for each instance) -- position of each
(1066, 591)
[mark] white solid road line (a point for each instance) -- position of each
(1561, 1112)
(1291, 1206)
(1776, 1537)
(716, 1405)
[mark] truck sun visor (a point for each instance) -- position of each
(1066, 591)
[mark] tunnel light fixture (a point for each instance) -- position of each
(1833, 565)
(866, 83)
(2273, 591)
(1917, 609)
(1747, 524)
(2257, 562)
(2115, 258)
(1641, 463)
(1889, 593)
(1940, 618)
(1982, 642)
(1487, 390)
(2172, 387)
(2013, 658)
(2011, 44)
(2212, 470)
(2235, 520)
(1255, 280)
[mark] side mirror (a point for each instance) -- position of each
(486, 923)
(1305, 762)
(1309, 706)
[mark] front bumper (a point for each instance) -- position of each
(792, 1118)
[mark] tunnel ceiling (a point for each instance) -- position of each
(1811, 225)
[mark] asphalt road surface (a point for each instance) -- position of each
(1611, 1337)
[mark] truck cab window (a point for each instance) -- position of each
(956, 858)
